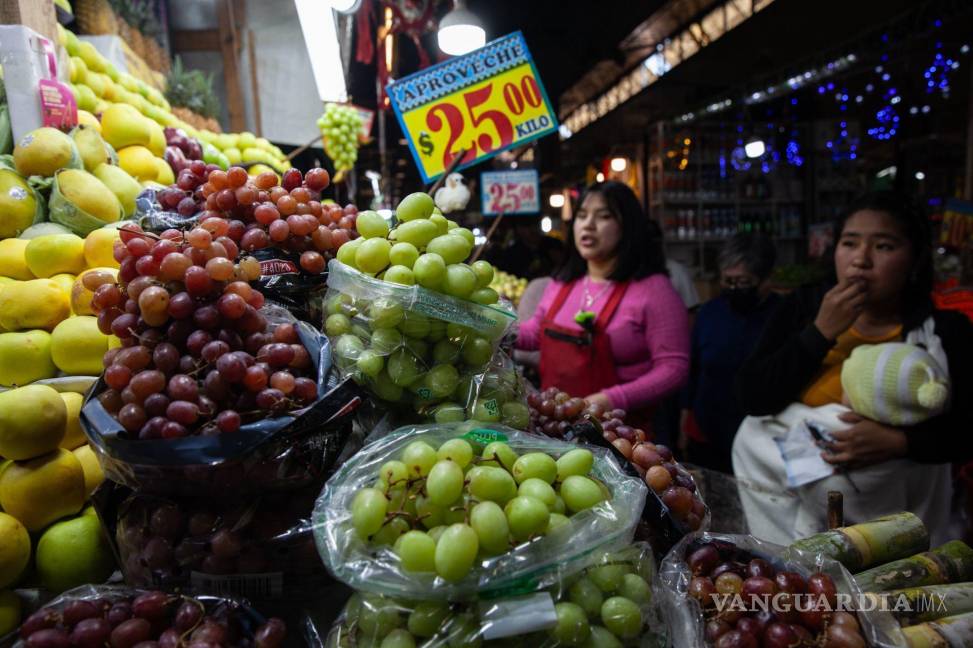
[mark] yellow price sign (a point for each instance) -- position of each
(484, 102)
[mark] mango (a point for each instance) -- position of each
(125, 187)
(73, 434)
(25, 357)
(43, 151)
(66, 282)
(13, 260)
(42, 490)
(77, 346)
(122, 125)
(89, 194)
(14, 550)
(93, 474)
(56, 253)
(10, 610)
(99, 246)
(139, 163)
(165, 175)
(157, 138)
(18, 204)
(91, 147)
(34, 304)
(32, 421)
(74, 552)
(85, 118)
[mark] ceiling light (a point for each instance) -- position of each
(755, 148)
(920, 175)
(557, 200)
(460, 31)
(619, 164)
(546, 224)
(600, 177)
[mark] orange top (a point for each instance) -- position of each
(826, 387)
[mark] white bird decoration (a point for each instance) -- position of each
(454, 195)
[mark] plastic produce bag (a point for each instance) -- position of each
(405, 343)
(151, 217)
(685, 616)
(129, 616)
(525, 568)
(280, 453)
(283, 281)
(495, 396)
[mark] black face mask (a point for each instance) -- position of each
(743, 300)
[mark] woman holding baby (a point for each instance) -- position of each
(868, 359)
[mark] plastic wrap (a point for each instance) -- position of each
(405, 343)
(526, 568)
(241, 622)
(151, 217)
(497, 395)
(282, 280)
(280, 453)
(684, 615)
(529, 620)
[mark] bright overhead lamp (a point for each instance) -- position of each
(345, 6)
(546, 224)
(600, 177)
(557, 200)
(920, 175)
(619, 164)
(461, 31)
(754, 148)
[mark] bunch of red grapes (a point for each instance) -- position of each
(263, 212)
(151, 618)
(197, 356)
(552, 411)
(721, 569)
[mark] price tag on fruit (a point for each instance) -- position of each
(510, 192)
(485, 102)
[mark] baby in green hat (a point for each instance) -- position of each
(894, 383)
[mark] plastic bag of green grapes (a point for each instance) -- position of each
(455, 512)
(495, 396)
(407, 344)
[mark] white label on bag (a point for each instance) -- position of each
(269, 585)
(516, 616)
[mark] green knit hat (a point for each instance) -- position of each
(894, 383)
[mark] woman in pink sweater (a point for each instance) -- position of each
(610, 327)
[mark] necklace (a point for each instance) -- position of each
(585, 317)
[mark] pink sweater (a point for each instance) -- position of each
(649, 336)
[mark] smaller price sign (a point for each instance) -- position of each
(510, 192)
(484, 102)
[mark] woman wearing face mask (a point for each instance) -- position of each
(880, 293)
(725, 332)
(610, 327)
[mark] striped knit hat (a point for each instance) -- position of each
(894, 383)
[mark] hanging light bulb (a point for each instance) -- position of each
(619, 164)
(600, 177)
(546, 224)
(557, 200)
(461, 31)
(754, 148)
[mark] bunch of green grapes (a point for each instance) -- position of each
(496, 396)
(340, 126)
(445, 510)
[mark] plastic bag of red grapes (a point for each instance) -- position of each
(736, 591)
(121, 617)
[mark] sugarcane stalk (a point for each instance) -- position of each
(950, 563)
(875, 542)
(951, 632)
(921, 604)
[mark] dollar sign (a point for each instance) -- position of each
(425, 143)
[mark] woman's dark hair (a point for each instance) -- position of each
(917, 300)
(639, 253)
(754, 250)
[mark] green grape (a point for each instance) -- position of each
(587, 595)
(390, 531)
(372, 255)
(601, 638)
(515, 415)
(415, 205)
(415, 325)
(371, 225)
(417, 551)
(477, 351)
(488, 483)
(608, 578)
(572, 625)
(444, 483)
(417, 232)
(455, 552)
(437, 531)
(484, 273)
(464, 632)
(445, 352)
(460, 280)
(574, 462)
(458, 451)
(360, 331)
(635, 589)
(451, 225)
(420, 457)
(385, 389)
(340, 304)
(403, 367)
(452, 248)
(368, 511)
(429, 271)
(398, 638)
(486, 411)
(418, 347)
(427, 617)
(378, 616)
(580, 493)
(621, 617)
(370, 363)
(441, 223)
(490, 524)
(535, 464)
(557, 520)
(464, 388)
(458, 333)
(559, 506)
(400, 274)
(430, 514)
(538, 489)
(526, 516)
(449, 413)
(337, 324)
(437, 330)
(465, 233)
(500, 453)
(485, 296)
(385, 340)
(404, 254)
(385, 313)
(348, 347)
(348, 252)
(457, 512)
(394, 494)
(393, 472)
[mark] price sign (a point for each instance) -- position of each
(485, 102)
(510, 192)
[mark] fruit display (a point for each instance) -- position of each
(495, 396)
(340, 128)
(608, 604)
(449, 511)
(509, 286)
(119, 616)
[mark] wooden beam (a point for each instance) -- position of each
(38, 15)
(254, 86)
(195, 40)
(230, 48)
